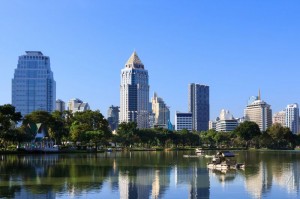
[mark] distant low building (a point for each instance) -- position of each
(183, 121)
(279, 118)
(60, 105)
(226, 122)
(76, 105)
(212, 125)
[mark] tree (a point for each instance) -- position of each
(282, 137)
(8, 120)
(59, 128)
(127, 132)
(247, 131)
(40, 117)
(93, 119)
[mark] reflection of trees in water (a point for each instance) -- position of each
(42, 174)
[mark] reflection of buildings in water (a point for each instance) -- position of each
(155, 185)
(144, 179)
(147, 183)
(260, 182)
(289, 177)
(223, 175)
(196, 177)
(24, 194)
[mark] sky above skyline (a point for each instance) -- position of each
(235, 47)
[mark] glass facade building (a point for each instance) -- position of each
(33, 85)
(199, 106)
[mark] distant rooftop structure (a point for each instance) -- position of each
(34, 53)
(134, 62)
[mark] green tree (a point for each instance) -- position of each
(40, 117)
(127, 132)
(282, 137)
(247, 131)
(8, 120)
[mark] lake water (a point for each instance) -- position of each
(269, 174)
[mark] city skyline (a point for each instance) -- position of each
(182, 43)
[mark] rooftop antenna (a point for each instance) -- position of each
(259, 97)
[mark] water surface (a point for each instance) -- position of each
(268, 174)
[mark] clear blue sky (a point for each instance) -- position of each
(234, 46)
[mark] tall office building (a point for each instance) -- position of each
(259, 112)
(161, 112)
(77, 105)
(33, 85)
(113, 117)
(134, 93)
(292, 117)
(199, 106)
(60, 105)
(279, 118)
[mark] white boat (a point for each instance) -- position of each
(199, 150)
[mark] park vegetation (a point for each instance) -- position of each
(91, 129)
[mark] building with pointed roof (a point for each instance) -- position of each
(134, 93)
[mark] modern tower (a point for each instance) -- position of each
(161, 112)
(113, 117)
(259, 112)
(199, 106)
(33, 85)
(292, 117)
(134, 93)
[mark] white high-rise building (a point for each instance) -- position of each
(279, 118)
(260, 113)
(134, 93)
(33, 85)
(161, 112)
(292, 117)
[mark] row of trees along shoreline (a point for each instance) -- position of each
(90, 128)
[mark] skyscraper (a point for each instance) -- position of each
(161, 112)
(134, 93)
(260, 113)
(199, 106)
(113, 117)
(33, 85)
(292, 117)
